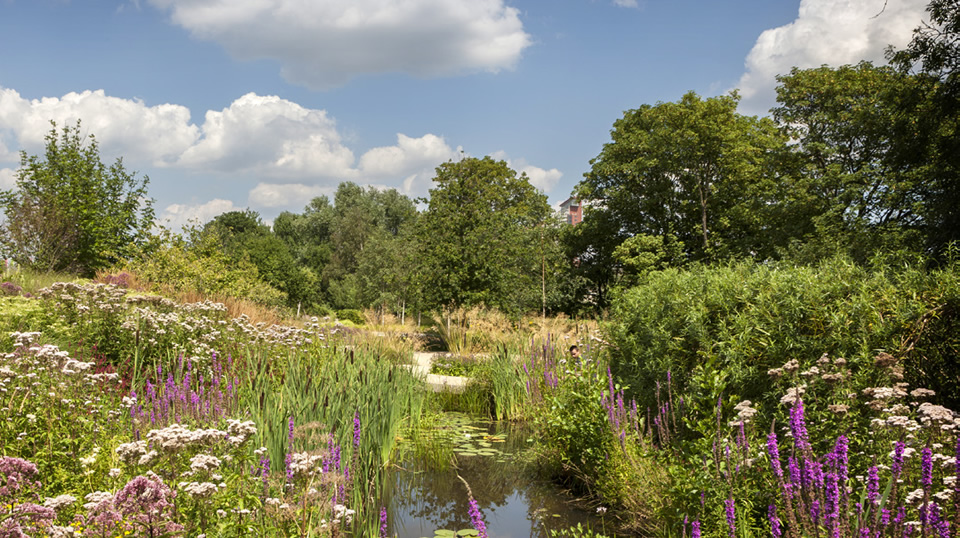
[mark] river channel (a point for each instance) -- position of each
(426, 494)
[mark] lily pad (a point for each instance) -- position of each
(443, 532)
(468, 532)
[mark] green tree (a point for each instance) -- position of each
(855, 130)
(934, 54)
(69, 211)
(479, 237)
(695, 170)
(243, 236)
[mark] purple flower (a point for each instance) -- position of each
(476, 518)
(799, 426)
(356, 429)
(774, 450)
(841, 457)
(873, 485)
(775, 530)
(383, 522)
(794, 471)
(897, 464)
(926, 468)
(730, 508)
(695, 529)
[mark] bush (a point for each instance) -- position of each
(351, 315)
(720, 329)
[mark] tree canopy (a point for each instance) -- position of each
(479, 236)
(71, 212)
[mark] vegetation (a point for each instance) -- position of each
(778, 350)
(70, 212)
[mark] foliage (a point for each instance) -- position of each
(695, 169)
(854, 127)
(70, 212)
(196, 263)
(720, 329)
(933, 53)
(479, 237)
(243, 237)
(351, 315)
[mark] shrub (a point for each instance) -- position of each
(351, 315)
(720, 329)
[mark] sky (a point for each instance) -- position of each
(265, 104)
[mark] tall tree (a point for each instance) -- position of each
(934, 53)
(855, 131)
(479, 235)
(694, 169)
(71, 212)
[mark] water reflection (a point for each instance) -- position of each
(422, 500)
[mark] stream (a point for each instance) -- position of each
(426, 495)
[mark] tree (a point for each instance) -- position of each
(855, 129)
(479, 236)
(694, 170)
(244, 237)
(69, 211)
(934, 53)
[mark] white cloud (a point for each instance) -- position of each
(270, 136)
(833, 32)
(8, 179)
(294, 153)
(175, 216)
(540, 178)
(127, 127)
(274, 195)
(409, 154)
(325, 44)
(625, 3)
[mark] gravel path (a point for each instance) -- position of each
(437, 383)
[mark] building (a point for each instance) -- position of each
(572, 211)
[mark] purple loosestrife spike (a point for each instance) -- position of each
(799, 427)
(356, 430)
(774, 450)
(290, 434)
(873, 486)
(775, 531)
(926, 468)
(842, 458)
(383, 522)
(730, 508)
(815, 512)
(476, 518)
(695, 529)
(897, 465)
(833, 503)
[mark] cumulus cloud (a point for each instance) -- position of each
(540, 178)
(128, 127)
(293, 153)
(8, 179)
(409, 154)
(833, 32)
(325, 44)
(272, 136)
(274, 195)
(175, 216)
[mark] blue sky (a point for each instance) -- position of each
(229, 104)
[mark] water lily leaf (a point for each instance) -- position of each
(443, 532)
(468, 532)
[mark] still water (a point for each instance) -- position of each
(427, 496)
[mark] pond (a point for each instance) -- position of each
(427, 496)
